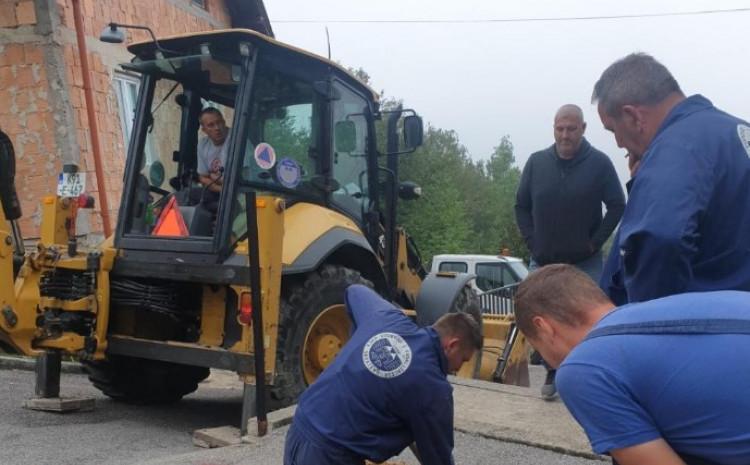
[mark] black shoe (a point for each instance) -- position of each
(549, 391)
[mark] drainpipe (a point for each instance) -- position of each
(93, 125)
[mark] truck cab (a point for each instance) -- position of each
(492, 271)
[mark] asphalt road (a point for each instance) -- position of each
(119, 434)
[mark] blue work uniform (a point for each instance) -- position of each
(387, 388)
(686, 225)
(674, 368)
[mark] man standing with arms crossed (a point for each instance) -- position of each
(686, 226)
(559, 203)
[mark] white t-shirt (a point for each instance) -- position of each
(211, 157)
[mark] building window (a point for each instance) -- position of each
(126, 88)
(200, 3)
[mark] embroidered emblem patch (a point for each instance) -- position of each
(387, 355)
(743, 131)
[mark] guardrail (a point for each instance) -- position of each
(498, 301)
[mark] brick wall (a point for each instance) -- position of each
(42, 104)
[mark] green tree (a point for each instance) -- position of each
(466, 206)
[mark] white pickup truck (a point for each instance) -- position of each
(494, 275)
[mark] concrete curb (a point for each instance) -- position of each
(509, 416)
(14, 362)
(476, 430)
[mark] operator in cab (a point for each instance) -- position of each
(386, 389)
(212, 154)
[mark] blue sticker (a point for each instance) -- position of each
(265, 156)
(289, 172)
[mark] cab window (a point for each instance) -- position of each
(350, 152)
(453, 267)
(493, 275)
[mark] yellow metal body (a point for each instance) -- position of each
(408, 280)
(26, 301)
(271, 227)
(298, 226)
(7, 294)
(307, 222)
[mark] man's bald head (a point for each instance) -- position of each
(569, 128)
(569, 110)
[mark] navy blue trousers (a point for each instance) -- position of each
(298, 450)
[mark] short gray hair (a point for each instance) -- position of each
(637, 79)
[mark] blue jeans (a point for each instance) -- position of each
(592, 266)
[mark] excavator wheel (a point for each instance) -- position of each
(313, 326)
(141, 381)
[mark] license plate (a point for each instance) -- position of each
(71, 184)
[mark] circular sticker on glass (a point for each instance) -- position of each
(265, 156)
(386, 355)
(289, 172)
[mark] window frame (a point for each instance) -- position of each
(465, 265)
(505, 270)
(367, 155)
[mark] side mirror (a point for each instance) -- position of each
(413, 132)
(8, 197)
(345, 136)
(408, 190)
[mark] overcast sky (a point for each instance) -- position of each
(486, 80)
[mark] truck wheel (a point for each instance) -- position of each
(143, 381)
(313, 326)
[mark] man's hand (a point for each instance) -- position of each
(634, 162)
(212, 182)
(656, 452)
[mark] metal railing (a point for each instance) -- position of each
(498, 301)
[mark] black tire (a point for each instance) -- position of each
(141, 381)
(300, 305)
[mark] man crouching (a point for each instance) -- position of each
(662, 382)
(386, 389)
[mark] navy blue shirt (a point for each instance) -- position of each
(386, 389)
(686, 226)
(690, 390)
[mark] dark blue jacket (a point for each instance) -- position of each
(559, 204)
(686, 226)
(386, 389)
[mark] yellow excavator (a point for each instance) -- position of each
(251, 279)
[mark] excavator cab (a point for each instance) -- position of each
(300, 129)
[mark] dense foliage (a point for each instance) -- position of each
(466, 205)
(467, 201)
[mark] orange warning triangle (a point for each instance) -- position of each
(170, 221)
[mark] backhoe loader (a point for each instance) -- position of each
(253, 283)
